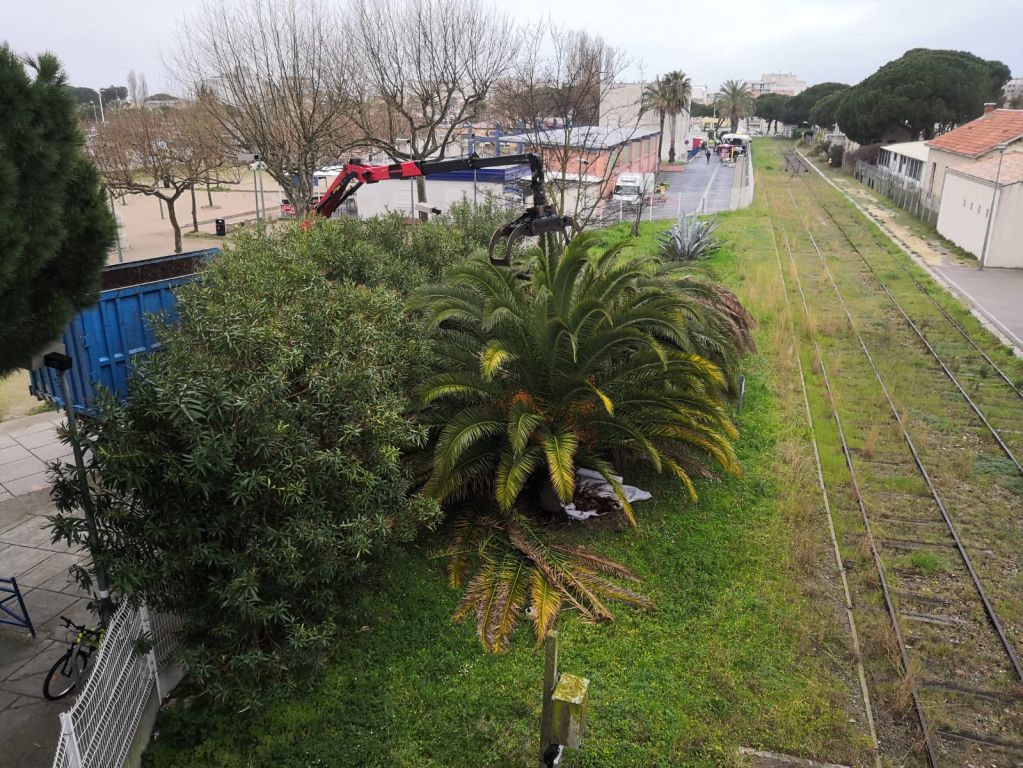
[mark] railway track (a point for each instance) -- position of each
(951, 662)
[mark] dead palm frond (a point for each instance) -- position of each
(518, 570)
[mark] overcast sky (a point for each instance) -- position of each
(844, 40)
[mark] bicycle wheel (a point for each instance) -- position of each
(63, 676)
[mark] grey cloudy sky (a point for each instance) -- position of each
(843, 40)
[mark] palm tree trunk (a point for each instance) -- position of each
(660, 136)
(671, 130)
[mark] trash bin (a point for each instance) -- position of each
(221, 227)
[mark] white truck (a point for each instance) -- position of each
(631, 187)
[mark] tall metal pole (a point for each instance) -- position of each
(255, 190)
(117, 228)
(62, 363)
(262, 197)
(102, 117)
(991, 210)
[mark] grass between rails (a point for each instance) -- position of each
(744, 647)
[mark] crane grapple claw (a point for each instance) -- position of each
(529, 224)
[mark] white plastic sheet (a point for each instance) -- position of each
(593, 482)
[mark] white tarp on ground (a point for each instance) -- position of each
(593, 482)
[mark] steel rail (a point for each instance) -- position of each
(992, 616)
(955, 323)
(932, 757)
(846, 592)
(951, 376)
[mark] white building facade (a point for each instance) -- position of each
(984, 201)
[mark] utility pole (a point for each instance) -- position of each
(62, 364)
(102, 117)
(991, 210)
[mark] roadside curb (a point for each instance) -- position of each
(987, 320)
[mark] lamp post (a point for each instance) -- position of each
(991, 210)
(102, 117)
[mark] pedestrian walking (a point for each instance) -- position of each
(707, 153)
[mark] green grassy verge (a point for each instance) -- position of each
(740, 650)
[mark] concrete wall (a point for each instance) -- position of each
(963, 219)
(965, 206)
(1006, 246)
(620, 109)
(938, 161)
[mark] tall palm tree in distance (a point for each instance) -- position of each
(678, 89)
(735, 101)
(653, 98)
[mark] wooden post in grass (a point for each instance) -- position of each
(550, 679)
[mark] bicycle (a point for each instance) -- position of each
(70, 668)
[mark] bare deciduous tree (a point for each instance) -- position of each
(562, 79)
(138, 90)
(425, 69)
(273, 74)
(160, 153)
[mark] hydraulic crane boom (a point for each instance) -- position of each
(538, 219)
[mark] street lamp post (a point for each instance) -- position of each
(102, 117)
(991, 210)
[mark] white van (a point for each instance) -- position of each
(630, 187)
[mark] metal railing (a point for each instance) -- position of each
(903, 192)
(99, 729)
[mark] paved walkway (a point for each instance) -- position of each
(26, 446)
(995, 293)
(28, 723)
(700, 181)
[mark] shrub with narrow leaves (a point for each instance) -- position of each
(256, 469)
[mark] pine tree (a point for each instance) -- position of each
(55, 227)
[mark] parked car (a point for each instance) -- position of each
(288, 208)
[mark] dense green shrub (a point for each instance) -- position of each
(55, 225)
(256, 468)
(385, 250)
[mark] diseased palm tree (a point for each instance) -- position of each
(678, 90)
(735, 101)
(596, 356)
(654, 99)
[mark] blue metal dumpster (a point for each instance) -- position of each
(104, 339)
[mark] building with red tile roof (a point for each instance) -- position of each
(972, 142)
(982, 207)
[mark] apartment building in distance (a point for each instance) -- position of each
(783, 83)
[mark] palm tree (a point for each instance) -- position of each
(596, 355)
(654, 98)
(735, 101)
(593, 357)
(678, 90)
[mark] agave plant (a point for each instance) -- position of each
(589, 358)
(689, 239)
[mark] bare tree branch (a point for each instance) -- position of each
(274, 75)
(425, 69)
(160, 153)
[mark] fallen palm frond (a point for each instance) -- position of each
(515, 565)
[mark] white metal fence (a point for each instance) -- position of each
(98, 730)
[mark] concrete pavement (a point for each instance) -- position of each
(994, 293)
(703, 185)
(28, 723)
